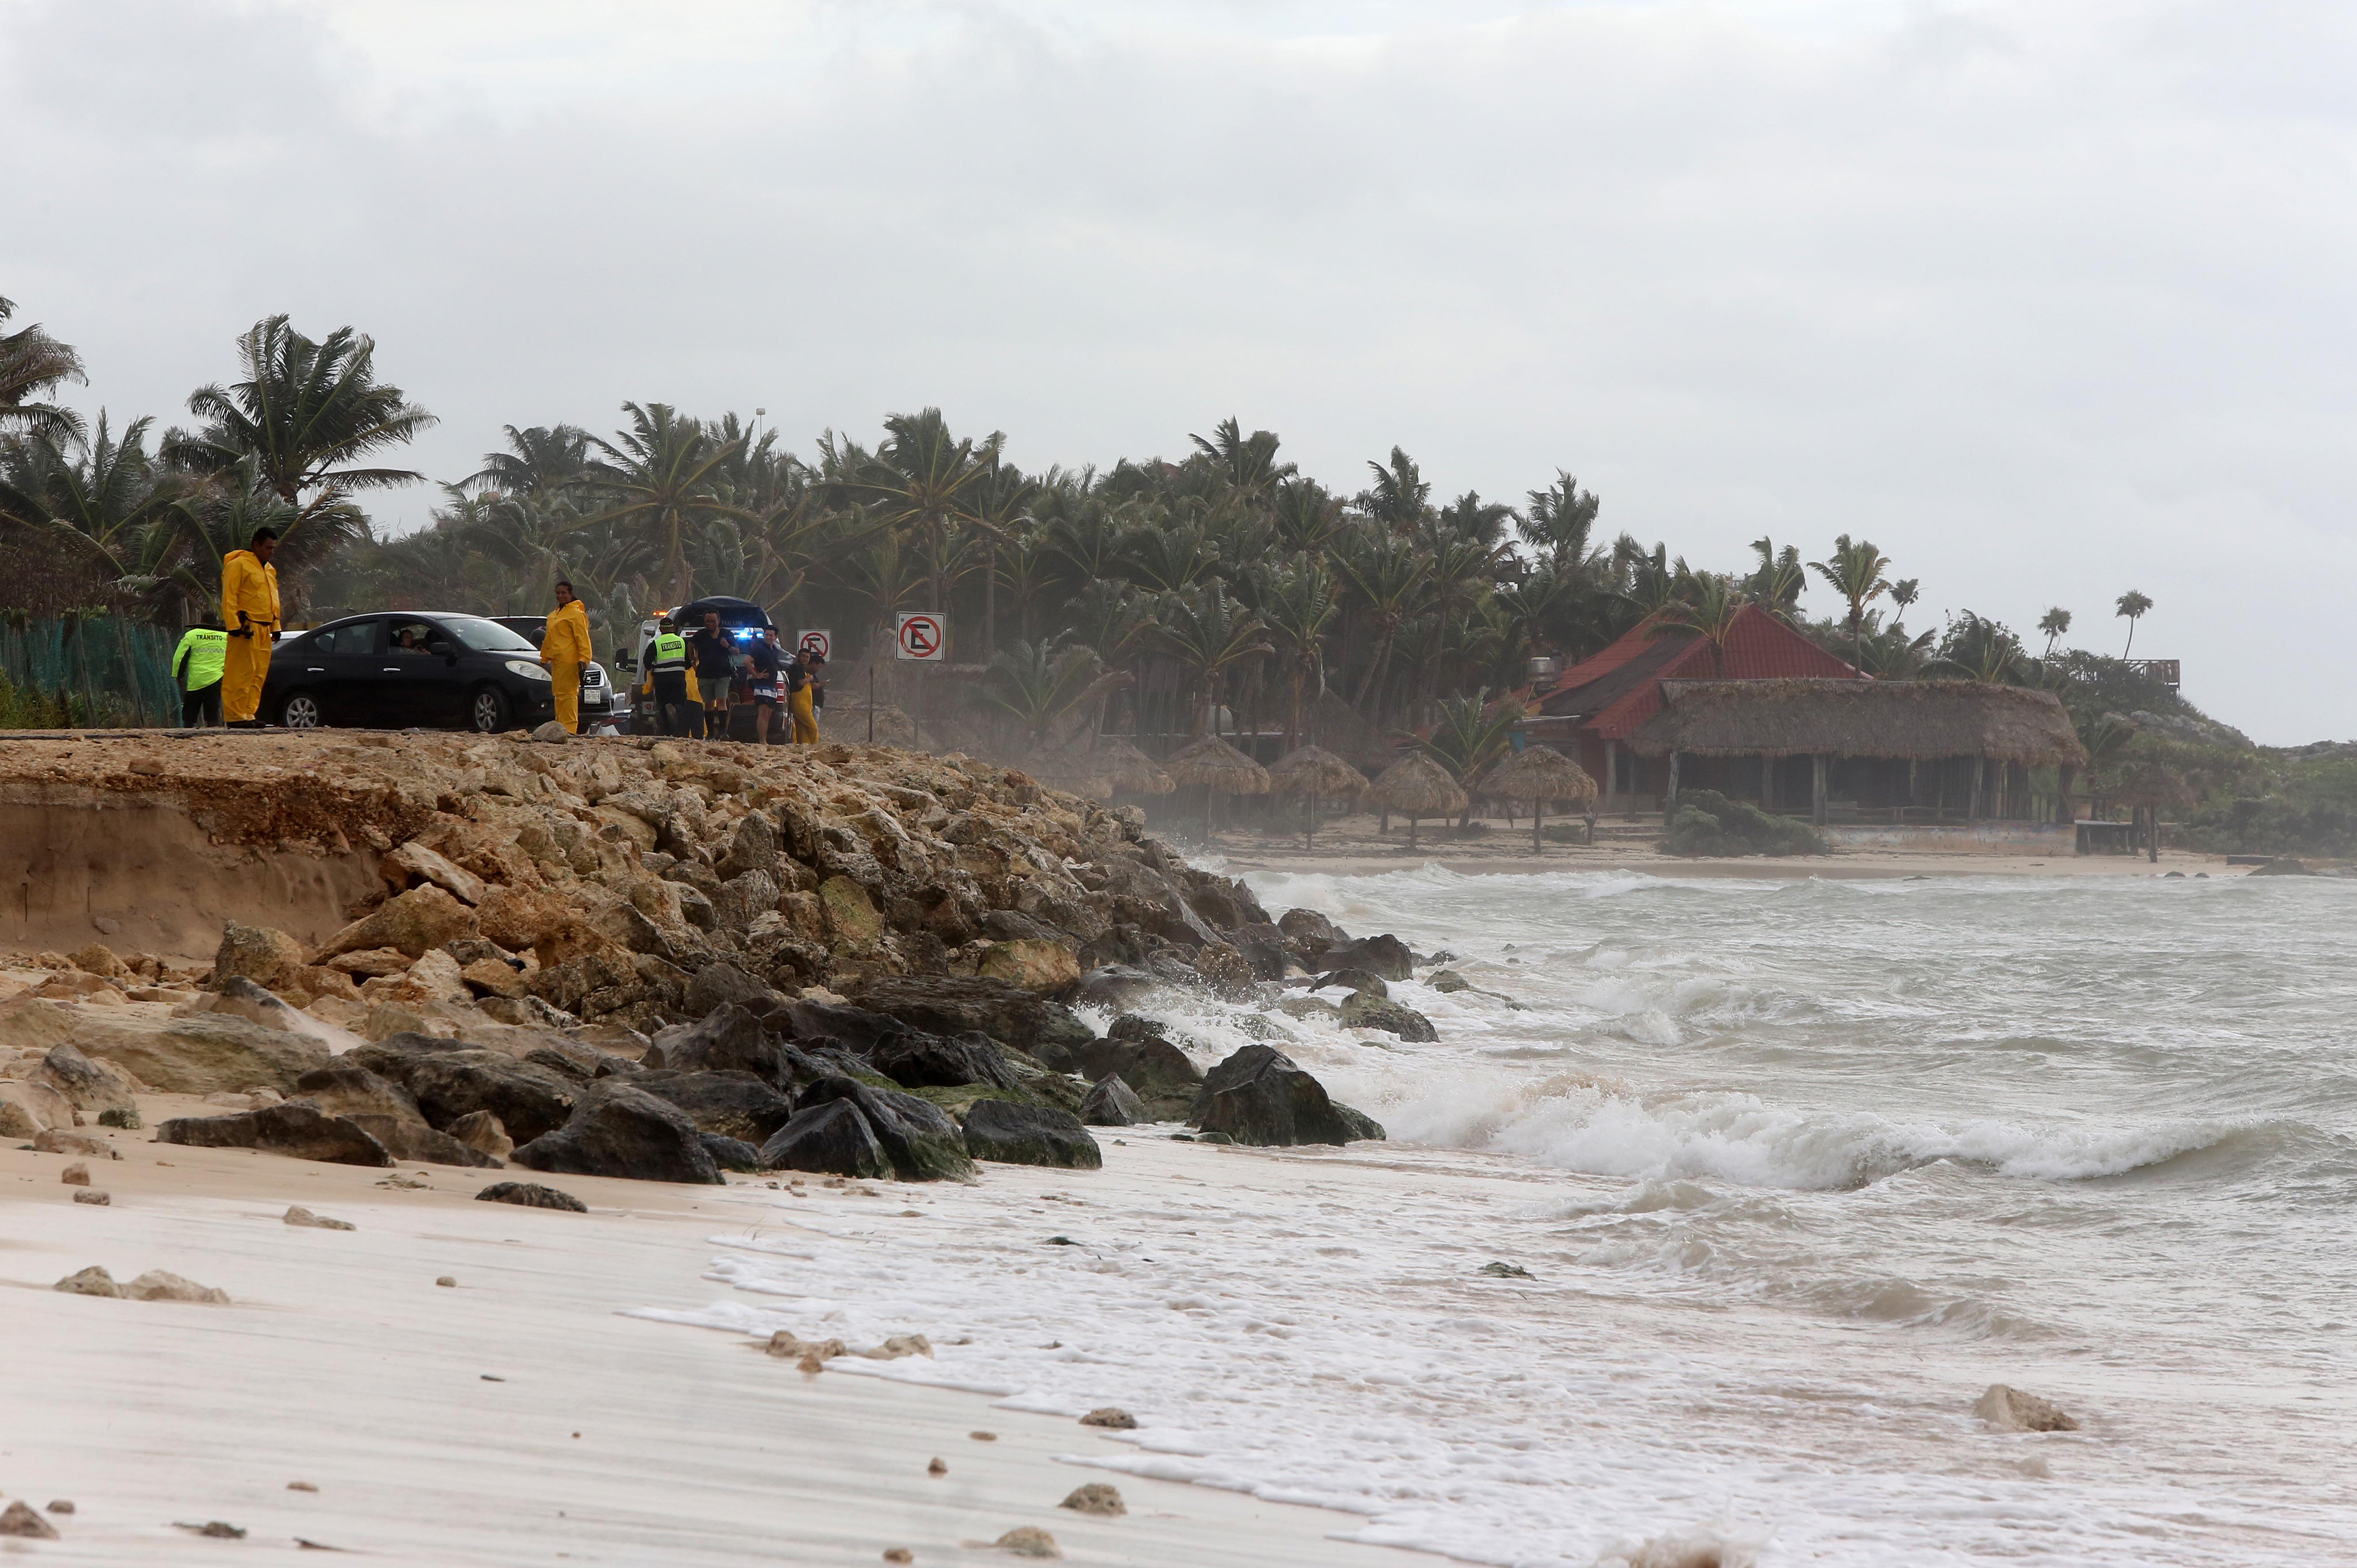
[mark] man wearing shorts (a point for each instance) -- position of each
(768, 661)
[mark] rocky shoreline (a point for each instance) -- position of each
(664, 961)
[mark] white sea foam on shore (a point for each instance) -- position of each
(1797, 1169)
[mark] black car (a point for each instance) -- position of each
(418, 667)
(602, 701)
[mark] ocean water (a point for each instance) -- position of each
(1795, 1169)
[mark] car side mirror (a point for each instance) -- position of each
(441, 650)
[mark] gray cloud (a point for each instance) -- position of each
(2048, 300)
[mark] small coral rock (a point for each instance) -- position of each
(92, 1281)
(1111, 1416)
(1029, 1540)
(1097, 1498)
(19, 1519)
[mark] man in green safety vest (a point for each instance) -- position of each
(667, 662)
(197, 666)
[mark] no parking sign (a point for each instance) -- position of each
(920, 634)
(821, 643)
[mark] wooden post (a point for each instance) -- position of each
(2062, 812)
(1767, 782)
(1670, 794)
(1611, 771)
(1538, 810)
(1972, 811)
(1817, 788)
(2152, 831)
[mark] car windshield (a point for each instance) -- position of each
(487, 636)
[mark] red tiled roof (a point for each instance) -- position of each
(1611, 693)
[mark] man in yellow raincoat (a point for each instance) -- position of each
(250, 614)
(565, 648)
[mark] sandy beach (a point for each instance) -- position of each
(515, 1418)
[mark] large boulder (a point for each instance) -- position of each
(1258, 1095)
(1309, 934)
(1034, 963)
(915, 1061)
(620, 1129)
(728, 1039)
(344, 1088)
(718, 984)
(29, 1108)
(529, 1100)
(1113, 1104)
(952, 1004)
(413, 862)
(416, 922)
(1263, 947)
(743, 899)
(917, 1137)
(1117, 986)
(1016, 1134)
(1386, 954)
(92, 1088)
(300, 1131)
(262, 954)
(206, 1053)
(856, 1028)
(833, 1138)
(32, 1024)
(408, 1141)
(732, 1105)
(1365, 1012)
(1157, 1071)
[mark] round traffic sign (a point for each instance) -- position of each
(920, 637)
(818, 642)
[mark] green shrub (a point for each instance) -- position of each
(1706, 822)
(124, 1118)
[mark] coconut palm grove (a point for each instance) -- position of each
(1215, 589)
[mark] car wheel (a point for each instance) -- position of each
(490, 712)
(299, 710)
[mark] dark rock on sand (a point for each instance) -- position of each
(1365, 982)
(531, 1194)
(1258, 1095)
(297, 1129)
(732, 1105)
(1263, 947)
(616, 1129)
(528, 1099)
(1113, 1104)
(406, 1140)
(917, 1137)
(830, 1137)
(1010, 1133)
(732, 1154)
(344, 1088)
(1310, 935)
(917, 1060)
(718, 984)
(729, 1038)
(1157, 1073)
(952, 1004)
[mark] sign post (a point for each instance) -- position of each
(923, 636)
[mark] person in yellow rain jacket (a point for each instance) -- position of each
(250, 614)
(565, 648)
(808, 698)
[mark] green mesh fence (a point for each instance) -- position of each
(86, 673)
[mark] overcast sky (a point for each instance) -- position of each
(2049, 300)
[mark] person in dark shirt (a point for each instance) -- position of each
(714, 656)
(769, 664)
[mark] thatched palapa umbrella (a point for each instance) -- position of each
(1220, 768)
(1131, 770)
(1313, 771)
(1417, 786)
(1539, 774)
(1073, 775)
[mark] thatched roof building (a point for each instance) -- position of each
(1214, 762)
(1313, 770)
(1126, 767)
(1897, 751)
(1539, 773)
(1916, 719)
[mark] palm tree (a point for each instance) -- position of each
(204, 522)
(1248, 463)
(1401, 495)
(95, 499)
(2055, 623)
(1306, 517)
(1775, 584)
(1856, 572)
(1040, 683)
(305, 414)
(1209, 633)
(1708, 611)
(923, 482)
(2131, 605)
(1389, 575)
(1559, 520)
(1470, 734)
(545, 458)
(998, 510)
(33, 363)
(660, 478)
(1166, 560)
(1298, 602)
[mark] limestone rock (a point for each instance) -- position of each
(528, 1099)
(1361, 982)
(952, 1005)
(1029, 1540)
(413, 1142)
(157, 1285)
(88, 1195)
(493, 977)
(551, 733)
(1009, 1133)
(917, 1060)
(1096, 1499)
(1113, 1104)
(260, 954)
(1258, 1095)
(851, 916)
(2009, 1408)
(29, 1108)
(297, 1130)
(300, 1216)
(416, 922)
(831, 1138)
(19, 1519)
(531, 1194)
(30, 1023)
(204, 1053)
(59, 1140)
(752, 847)
(413, 862)
(1310, 935)
(75, 1175)
(1157, 1071)
(616, 1129)
(1045, 966)
(1112, 1417)
(721, 982)
(728, 1039)
(1448, 980)
(92, 1281)
(98, 959)
(1226, 971)
(370, 964)
(344, 1088)
(481, 1131)
(1364, 1011)
(917, 1135)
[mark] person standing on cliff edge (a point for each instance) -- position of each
(250, 613)
(565, 648)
